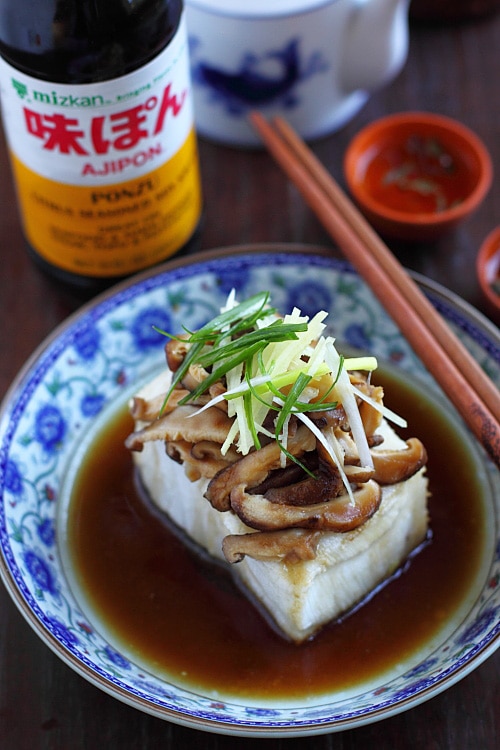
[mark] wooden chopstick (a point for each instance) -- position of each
(470, 390)
(412, 292)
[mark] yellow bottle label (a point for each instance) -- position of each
(107, 174)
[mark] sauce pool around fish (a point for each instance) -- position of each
(182, 615)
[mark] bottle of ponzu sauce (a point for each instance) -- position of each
(97, 111)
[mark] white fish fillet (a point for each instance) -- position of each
(302, 597)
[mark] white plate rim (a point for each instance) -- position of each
(448, 302)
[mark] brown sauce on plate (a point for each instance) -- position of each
(184, 617)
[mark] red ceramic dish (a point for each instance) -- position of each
(416, 175)
(488, 271)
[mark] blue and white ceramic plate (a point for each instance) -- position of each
(94, 361)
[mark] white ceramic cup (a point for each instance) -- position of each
(314, 62)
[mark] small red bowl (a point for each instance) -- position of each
(488, 271)
(416, 175)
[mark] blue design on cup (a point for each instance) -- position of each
(250, 85)
(144, 335)
(50, 428)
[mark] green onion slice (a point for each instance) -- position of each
(260, 355)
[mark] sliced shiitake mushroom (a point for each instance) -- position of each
(252, 469)
(195, 375)
(290, 546)
(340, 514)
(184, 423)
(147, 410)
(203, 459)
(370, 416)
(308, 491)
(392, 466)
(209, 449)
(175, 351)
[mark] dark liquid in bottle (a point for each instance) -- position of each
(83, 42)
(70, 41)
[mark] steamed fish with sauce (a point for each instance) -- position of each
(276, 455)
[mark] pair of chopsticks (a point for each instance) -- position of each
(467, 386)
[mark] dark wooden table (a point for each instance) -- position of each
(44, 704)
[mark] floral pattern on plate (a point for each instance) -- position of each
(94, 361)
